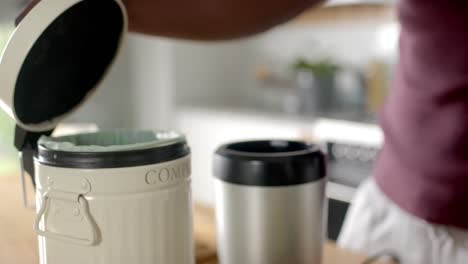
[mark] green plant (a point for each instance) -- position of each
(323, 68)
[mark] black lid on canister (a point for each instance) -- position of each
(269, 163)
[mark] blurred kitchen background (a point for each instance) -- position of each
(322, 77)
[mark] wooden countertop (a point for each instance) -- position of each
(18, 242)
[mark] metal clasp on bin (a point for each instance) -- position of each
(79, 210)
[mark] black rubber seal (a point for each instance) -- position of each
(269, 163)
(116, 159)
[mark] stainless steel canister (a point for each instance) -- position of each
(270, 198)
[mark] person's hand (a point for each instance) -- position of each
(25, 11)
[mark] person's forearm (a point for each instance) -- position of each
(211, 19)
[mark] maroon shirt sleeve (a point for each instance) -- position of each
(423, 166)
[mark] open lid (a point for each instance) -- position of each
(54, 61)
(57, 57)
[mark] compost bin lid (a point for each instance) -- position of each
(57, 57)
